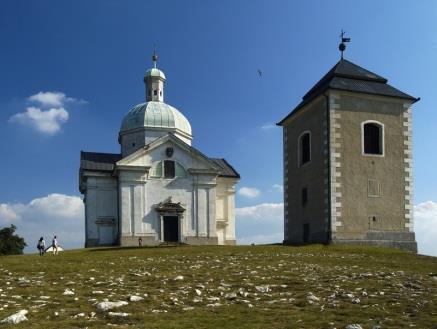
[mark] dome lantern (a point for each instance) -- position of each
(154, 80)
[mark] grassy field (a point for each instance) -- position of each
(222, 287)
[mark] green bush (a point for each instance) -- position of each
(10, 243)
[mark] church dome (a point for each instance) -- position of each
(154, 72)
(155, 115)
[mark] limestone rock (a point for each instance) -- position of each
(16, 318)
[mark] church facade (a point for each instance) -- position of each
(347, 151)
(159, 188)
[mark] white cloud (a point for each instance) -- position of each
(49, 114)
(51, 98)
(425, 226)
(262, 223)
(58, 214)
(267, 127)
(278, 188)
(249, 192)
(48, 122)
(7, 214)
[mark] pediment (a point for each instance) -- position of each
(169, 147)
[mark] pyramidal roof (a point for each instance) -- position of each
(348, 76)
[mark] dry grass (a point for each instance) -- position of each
(237, 287)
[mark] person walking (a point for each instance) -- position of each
(55, 245)
(41, 246)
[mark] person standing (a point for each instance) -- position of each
(55, 245)
(41, 246)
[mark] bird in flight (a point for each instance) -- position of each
(260, 73)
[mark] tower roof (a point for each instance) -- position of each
(348, 76)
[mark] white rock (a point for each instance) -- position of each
(353, 326)
(263, 288)
(68, 292)
(98, 292)
(134, 298)
(198, 292)
(16, 318)
(231, 296)
(312, 298)
(178, 278)
(104, 306)
(118, 314)
(356, 301)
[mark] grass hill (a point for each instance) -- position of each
(222, 287)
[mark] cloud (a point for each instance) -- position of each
(55, 213)
(49, 113)
(51, 98)
(278, 188)
(268, 127)
(7, 214)
(425, 226)
(261, 223)
(249, 192)
(48, 122)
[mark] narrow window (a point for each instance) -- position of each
(304, 148)
(304, 196)
(155, 92)
(372, 135)
(150, 93)
(169, 169)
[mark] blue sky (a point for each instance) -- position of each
(96, 53)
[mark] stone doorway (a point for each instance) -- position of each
(171, 221)
(171, 228)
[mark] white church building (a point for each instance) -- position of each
(159, 189)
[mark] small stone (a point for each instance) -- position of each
(104, 306)
(178, 278)
(16, 318)
(119, 314)
(134, 298)
(353, 326)
(68, 292)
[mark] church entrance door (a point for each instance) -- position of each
(171, 229)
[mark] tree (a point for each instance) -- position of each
(10, 243)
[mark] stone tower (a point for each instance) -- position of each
(348, 162)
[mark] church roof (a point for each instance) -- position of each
(348, 76)
(155, 115)
(98, 161)
(226, 170)
(94, 161)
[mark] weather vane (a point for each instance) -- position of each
(154, 57)
(342, 45)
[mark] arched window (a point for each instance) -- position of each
(168, 169)
(304, 148)
(373, 138)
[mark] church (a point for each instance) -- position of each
(159, 188)
(347, 150)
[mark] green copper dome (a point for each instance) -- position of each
(154, 72)
(155, 115)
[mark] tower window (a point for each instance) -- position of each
(304, 146)
(155, 92)
(160, 93)
(373, 138)
(169, 169)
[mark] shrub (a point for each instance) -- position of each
(10, 243)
